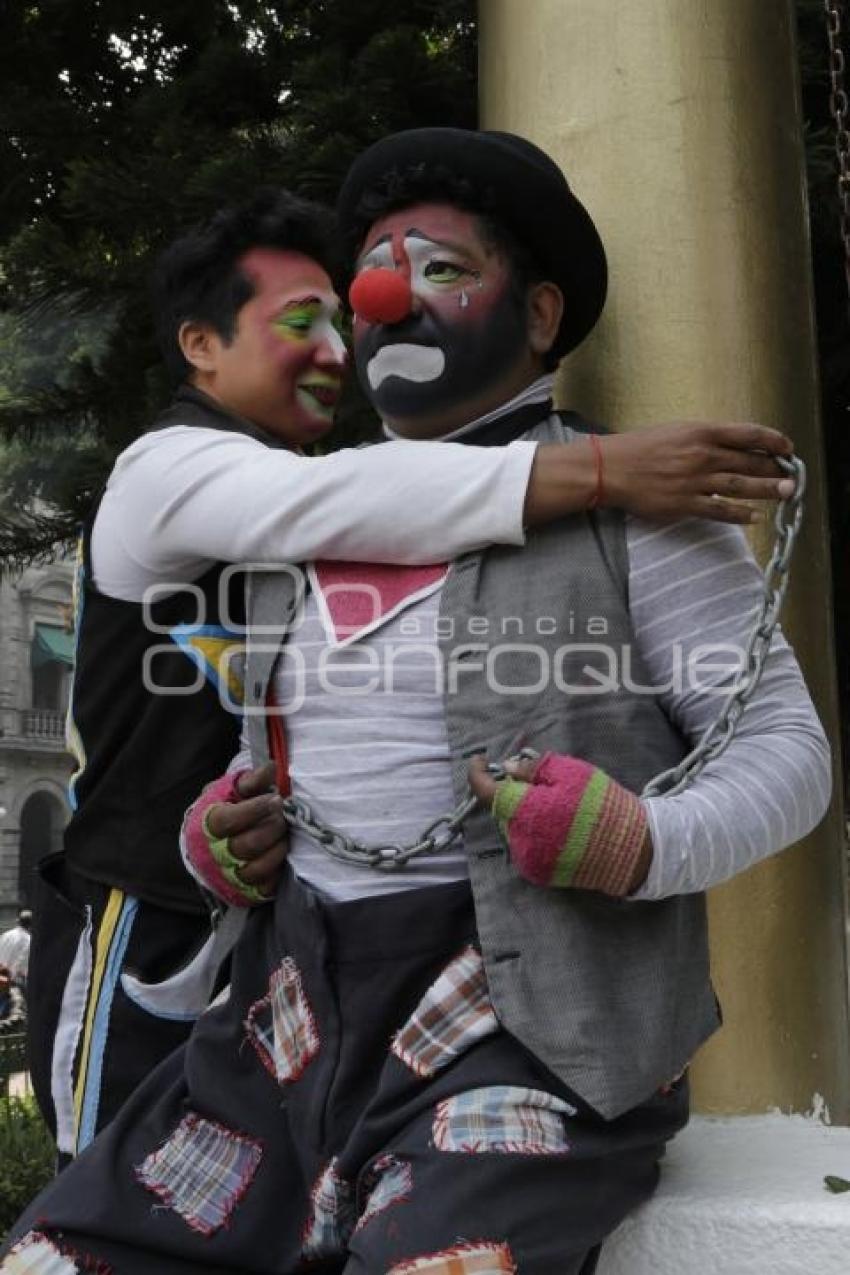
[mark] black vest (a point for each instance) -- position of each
(144, 741)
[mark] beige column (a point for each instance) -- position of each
(677, 122)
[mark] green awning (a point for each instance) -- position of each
(52, 643)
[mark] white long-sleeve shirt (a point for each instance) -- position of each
(691, 586)
(369, 752)
(182, 498)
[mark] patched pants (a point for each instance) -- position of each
(354, 1106)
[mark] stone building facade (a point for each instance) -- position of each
(36, 645)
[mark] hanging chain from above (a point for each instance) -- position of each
(839, 106)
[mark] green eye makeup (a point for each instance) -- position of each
(294, 324)
(298, 322)
(438, 271)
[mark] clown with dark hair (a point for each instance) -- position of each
(470, 1064)
(249, 323)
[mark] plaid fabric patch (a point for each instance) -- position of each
(201, 1172)
(461, 1259)
(36, 1255)
(502, 1118)
(281, 1026)
(332, 1215)
(453, 1014)
(389, 1181)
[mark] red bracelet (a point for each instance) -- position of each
(599, 495)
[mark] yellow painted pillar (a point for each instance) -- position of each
(678, 123)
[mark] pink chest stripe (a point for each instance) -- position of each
(357, 597)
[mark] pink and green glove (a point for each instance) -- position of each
(573, 825)
(209, 858)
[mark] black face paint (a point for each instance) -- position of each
(467, 326)
(458, 356)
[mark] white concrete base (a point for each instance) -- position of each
(742, 1196)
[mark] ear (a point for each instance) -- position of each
(545, 310)
(199, 344)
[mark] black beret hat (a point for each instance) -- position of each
(521, 187)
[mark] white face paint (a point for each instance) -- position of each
(464, 326)
(412, 362)
(324, 330)
(433, 269)
(379, 258)
(316, 391)
(437, 270)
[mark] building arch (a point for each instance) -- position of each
(42, 816)
(51, 583)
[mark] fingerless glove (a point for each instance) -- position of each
(209, 858)
(573, 825)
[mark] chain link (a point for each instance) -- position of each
(386, 856)
(389, 856)
(717, 738)
(839, 107)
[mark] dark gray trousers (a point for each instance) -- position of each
(354, 1107)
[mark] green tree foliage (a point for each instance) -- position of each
(27, 1157)
(119, 128)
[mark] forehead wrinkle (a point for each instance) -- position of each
(468, 250)
(413, 233)
(312, 298)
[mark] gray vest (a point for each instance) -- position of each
(613, 996)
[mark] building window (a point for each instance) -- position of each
(48, 687)
(52, 656)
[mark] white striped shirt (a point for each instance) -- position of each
(369, 751)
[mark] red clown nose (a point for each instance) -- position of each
(380, 296)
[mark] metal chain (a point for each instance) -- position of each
(388, 856)
(839, 107)
(719, 735)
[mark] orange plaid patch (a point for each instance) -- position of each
(462, 1259)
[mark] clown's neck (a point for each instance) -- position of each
(538, 391)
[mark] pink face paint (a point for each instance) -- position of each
(283, 368)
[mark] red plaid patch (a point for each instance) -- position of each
(453, 1014)
(281, 1026)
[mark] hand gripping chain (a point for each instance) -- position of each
(717, 738)
(388, 856)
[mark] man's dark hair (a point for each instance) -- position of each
(197, 277)
(422, 183)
